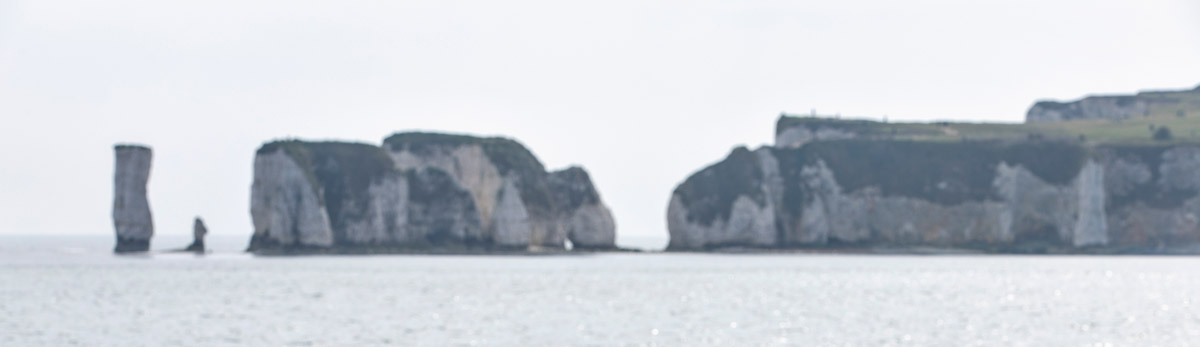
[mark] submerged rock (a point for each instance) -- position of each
(420, 192)
(132, 221)
(198, 232)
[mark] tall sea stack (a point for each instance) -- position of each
(131, 211)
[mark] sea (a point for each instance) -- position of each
(71, 291)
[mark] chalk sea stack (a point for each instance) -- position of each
(420, 192)
(1040, 187)
(132, 220)
(198, 233)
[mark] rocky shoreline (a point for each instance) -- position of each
(825, 186)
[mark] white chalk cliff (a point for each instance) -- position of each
(418, 192)
(1000, 196)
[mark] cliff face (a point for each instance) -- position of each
(285, 203)
(324, 196)
(1114, 107)
(519, 203)
(587, 222)
(132, 221)
(994, 196)
(417, 192)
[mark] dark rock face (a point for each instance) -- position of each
(1033, 196)
(198, 232)
(419, 192)
(506, 181)
(132, 220)
(520, 204)
(442, 211)
(331, 196)
(588, 223)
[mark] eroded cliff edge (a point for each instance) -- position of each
(421, 192)
(1025, 196)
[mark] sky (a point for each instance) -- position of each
(642, 93)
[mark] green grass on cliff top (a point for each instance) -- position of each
(1138, 129)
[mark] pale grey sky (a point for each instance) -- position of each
(642, 93)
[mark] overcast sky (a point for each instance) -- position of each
(641, 93)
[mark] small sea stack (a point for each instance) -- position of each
(132, 221)
(198, 232)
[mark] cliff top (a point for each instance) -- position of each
(1125, 119)
(1144, 104)
(1180, 97)
(1182, 124)
(573, 187)
(326, 162)
(130, 146)
(507, 154)
(912, 131)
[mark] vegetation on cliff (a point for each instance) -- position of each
(1177, 110)
(1114, 172)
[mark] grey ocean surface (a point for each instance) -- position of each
(62, 291)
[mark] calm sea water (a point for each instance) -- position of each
(62, 291)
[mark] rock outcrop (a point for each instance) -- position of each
(198, 233)
(999, 196)
(1115, 107)
(794, 132)
(587, 222)
(420, 192)
(132, 220)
